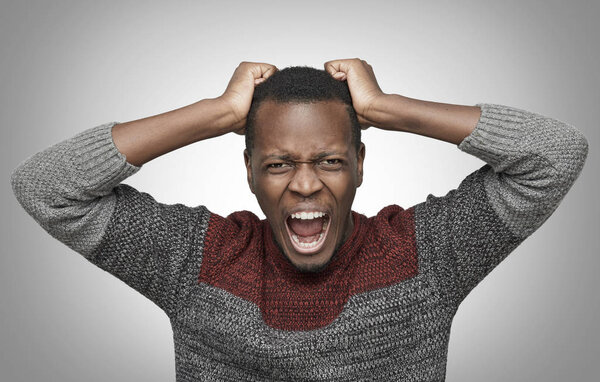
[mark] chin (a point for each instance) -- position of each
(310, 267)
(314, 266)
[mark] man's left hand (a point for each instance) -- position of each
(364, 89)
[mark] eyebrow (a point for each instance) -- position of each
(288, 157)
(285, 157)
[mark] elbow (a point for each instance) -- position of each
(24, 183)
(563, 146)
(582, 146)
(574, 146)
(32, 185)
(575, 141)
(19, 178)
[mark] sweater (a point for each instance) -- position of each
(382, 308)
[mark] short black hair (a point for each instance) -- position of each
(301, 84)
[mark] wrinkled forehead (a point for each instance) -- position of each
(302, 128)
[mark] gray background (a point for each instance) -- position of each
(71, 65)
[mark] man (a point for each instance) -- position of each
(316, 291)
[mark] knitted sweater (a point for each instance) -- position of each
(383, 307)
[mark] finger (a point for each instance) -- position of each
(270, 71)
(336, 73)
(333, 67)
(339, 69)
(340, 76)
(262, 70)
(341, 64)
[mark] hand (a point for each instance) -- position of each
(238, 95)
(364, 90)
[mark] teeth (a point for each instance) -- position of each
(308, 215)
(307, 245)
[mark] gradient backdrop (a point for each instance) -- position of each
(71, 65)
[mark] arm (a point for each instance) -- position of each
(531, 163)
(73, 190)
(442, 121)
(446, 122)
(145, 139)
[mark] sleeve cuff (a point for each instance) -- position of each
(496, 132)
(98, 161)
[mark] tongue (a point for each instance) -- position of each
(308, 227)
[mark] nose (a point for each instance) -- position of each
(305, 180)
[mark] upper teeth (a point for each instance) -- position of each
(307, 215)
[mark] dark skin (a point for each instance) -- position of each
(304, 159)
(300, 134)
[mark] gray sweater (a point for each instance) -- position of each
(237, 313)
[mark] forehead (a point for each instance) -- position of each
(302, 129)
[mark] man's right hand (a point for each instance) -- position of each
(145, 139)
(238, 95)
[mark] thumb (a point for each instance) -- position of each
(337, 69)
(261, 71)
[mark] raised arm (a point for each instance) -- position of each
(73, 190)
(531, 163)
(446, 122)
(145, 139)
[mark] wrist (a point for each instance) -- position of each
(231, 118)
(390, 112)
(215, 115)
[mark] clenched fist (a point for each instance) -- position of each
(238, 95)
(364, 89)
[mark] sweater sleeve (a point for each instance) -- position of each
(531, 163)
(73, 190)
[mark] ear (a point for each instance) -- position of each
(248, 162)
(359, 163)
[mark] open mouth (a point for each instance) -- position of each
(308, 230)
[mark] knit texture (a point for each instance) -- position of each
(381, 310)
(240, 256)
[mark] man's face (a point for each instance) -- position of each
(304, 171)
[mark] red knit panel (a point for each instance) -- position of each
(233, 255)
(241, 257)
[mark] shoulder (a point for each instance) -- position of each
(392, 227)
(388, 252)
(393, 218)
(236, 223)
(233, 232)
(238, 235)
